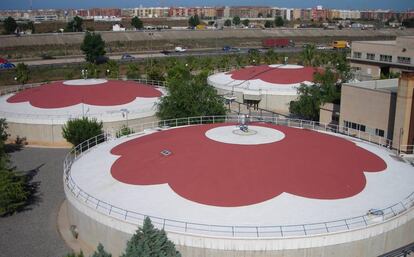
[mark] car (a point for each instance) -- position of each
(166, 52)
(180, 49)
(127, 57)
(252, 51)
(7, 65)
(101, 59)
(226, 48)
(234, 49)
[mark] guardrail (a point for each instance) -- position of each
(372, 217)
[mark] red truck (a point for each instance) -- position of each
(277, 42)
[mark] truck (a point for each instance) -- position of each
(277, 42)
(340, 44)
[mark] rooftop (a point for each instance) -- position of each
(390, 85)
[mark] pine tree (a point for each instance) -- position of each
(101, 252)
(150, 242)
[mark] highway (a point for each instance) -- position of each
(142, 56)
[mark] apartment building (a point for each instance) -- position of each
(373, 58)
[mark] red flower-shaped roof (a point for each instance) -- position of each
(304, 163)
(275, 75)
(58, 95)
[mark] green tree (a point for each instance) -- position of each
(15, 189)
(79, 130)
(133, 71)
(268, 24)
(155, 73)
(14, 192)
(308, 103)
(10, 25)
(75, 25)
(326, 89)
(193, 21)
(236, 20)
(227, 23)
(22, 73)
(112, 69)
(279, 22)
(308, 54)
(93, 47)
(246, 22)
(271, 57)
(137, 23)
(189, 96)
(92, 70)
(150, 242)
(254, 57)
(101, 252)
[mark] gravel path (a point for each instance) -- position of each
(33, 233)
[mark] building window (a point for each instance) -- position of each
(357, 55)
(385, 58)
(379, 132)
(404, 60)
(370, 56)
(355, 126)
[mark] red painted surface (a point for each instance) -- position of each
(274, 75)
(304, 163)
(58, 95)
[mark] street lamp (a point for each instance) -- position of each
(84, 73)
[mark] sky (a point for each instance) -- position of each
(339, 4)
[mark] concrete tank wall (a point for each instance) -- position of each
(95, 227)
(51, 134)
(271, 102)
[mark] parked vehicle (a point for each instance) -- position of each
(5, 64)
(340, 44)
(127, 57)
(101, 59)
(166, 52)
(277, 42)
(180, 49)
(231, 49)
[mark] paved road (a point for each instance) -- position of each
(33, 233)
(142, 57)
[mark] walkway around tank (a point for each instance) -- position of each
(33, 232)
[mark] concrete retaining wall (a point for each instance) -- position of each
(95, 227)
(171, 35)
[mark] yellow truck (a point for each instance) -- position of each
(201, 26)
(340, 44)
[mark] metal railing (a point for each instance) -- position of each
(232, 231)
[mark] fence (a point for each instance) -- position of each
(372, 217)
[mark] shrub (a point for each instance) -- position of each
(124, 131)
(77, 131)
(14, 192)
(101, 252)
(150, 242)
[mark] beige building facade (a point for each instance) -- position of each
(377, 110)
(370, 59)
